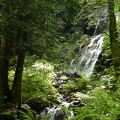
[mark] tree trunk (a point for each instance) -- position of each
(4, 65)
(114, 39)
(16, 88)
(4, 56)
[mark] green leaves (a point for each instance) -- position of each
(104, 106)
(37, 80)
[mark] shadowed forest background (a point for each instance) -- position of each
(60, 60)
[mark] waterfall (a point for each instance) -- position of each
(87, 59)
(102, 23)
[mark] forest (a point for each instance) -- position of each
(59, 60)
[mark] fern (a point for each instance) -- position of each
(104, 106)
(25, 116)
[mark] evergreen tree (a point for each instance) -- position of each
(22, 24)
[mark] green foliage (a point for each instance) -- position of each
(45, 41)
(25, 116)
(106, 46)
(75, 85)
(110, 71)
(12, 114)
(117, 6)
(62, 54)
(26, 109)
(118, 24)
(43, 116)
(104, 106)
(37, 79)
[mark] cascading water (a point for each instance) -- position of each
(55, 113)
(86, 62)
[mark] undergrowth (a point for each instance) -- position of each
(105, 105)
(37, 79)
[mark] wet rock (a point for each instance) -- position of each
(53, 113)
(72, 75)
(66, 104)
(79, 96)
(76, 103)
(64, 77)
(60, 115)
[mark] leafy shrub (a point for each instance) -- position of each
(23, 116)
(106, 46)
(104, 106)
(36, 80)
(26, 115)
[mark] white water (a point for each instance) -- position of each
(55, 113)
(86, 62)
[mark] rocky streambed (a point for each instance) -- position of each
(71, 88)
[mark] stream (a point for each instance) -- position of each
(84, 63)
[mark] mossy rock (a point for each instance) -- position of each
(38, 104)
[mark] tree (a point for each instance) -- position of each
(23, 23)
(114, 39)
(4, 54)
